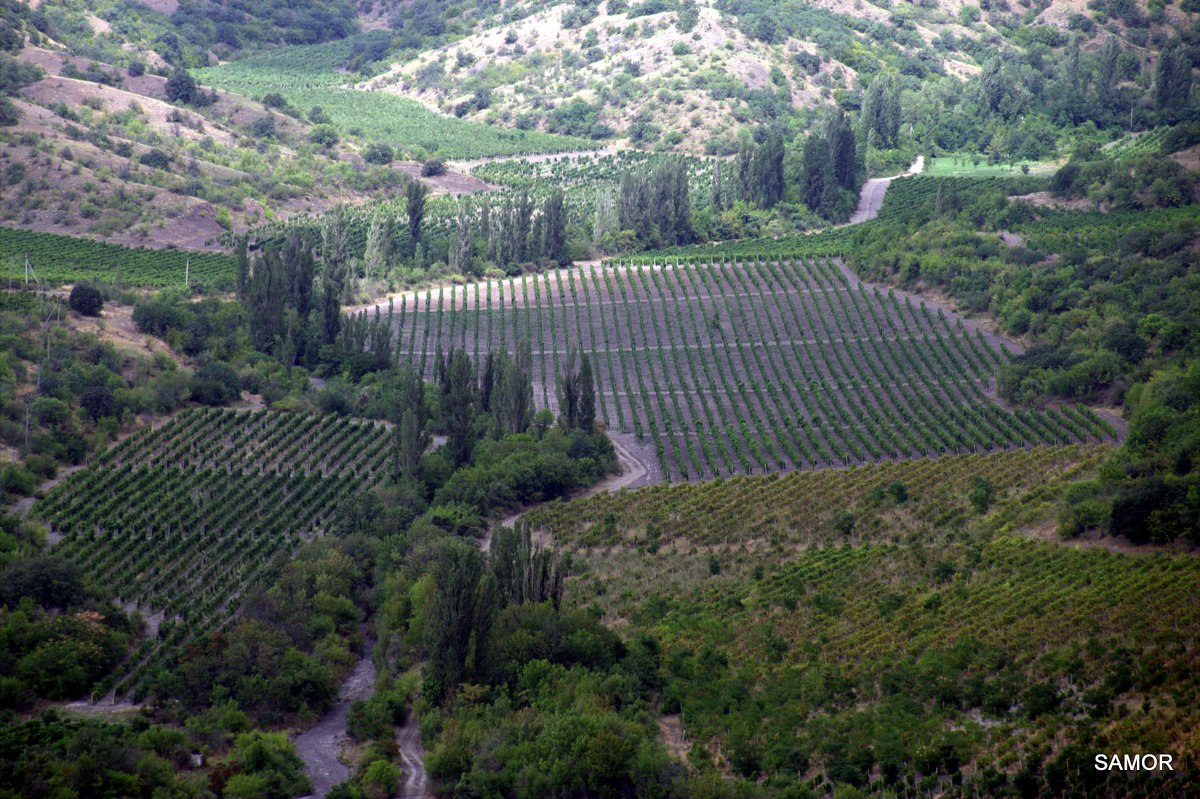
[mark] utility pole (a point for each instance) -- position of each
(187, 273)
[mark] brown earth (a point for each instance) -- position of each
(1094, 539)
(1045, 199)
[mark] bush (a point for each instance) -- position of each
(136, 69)
(325, 135)
(432, 168)
(215, 383)
(181, 87)
(156, 159)
(274, 100)
(378, 153)
(86, 299)
(263, 128)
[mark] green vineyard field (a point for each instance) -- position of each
(306, 76)
(65, 259)
(885, 607)
(756, 366)
(181, 520)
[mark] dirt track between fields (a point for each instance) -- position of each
(637, 467)
(320, 746)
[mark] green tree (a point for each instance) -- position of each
(458, 613)
(414, 194)
(86, 299)
(525, 573)
(459, 403)
(554, 230)
(181, 87)
(335, 244)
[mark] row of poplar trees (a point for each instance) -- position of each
(501, 392)
(294, 312)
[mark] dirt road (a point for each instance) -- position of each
(320, 746)
(870, 200)
(636, 468)
(416, 781)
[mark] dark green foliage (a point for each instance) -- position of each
(243, 23)
(760, 171)
(1173, 81)
(378, 153)
(86, 299)
(263, 128)
(577, 394)
(510, 395)
(97, 402)
(525, 573)
(459, 404)
(325, 135)
(657, 207)
(432, 168)
(334, 256)
(215, 383)
(881, 109)
(817, 178)
(50, 582)
(59, 637)
(415, 193)
(181, 87)
(86, 758)
(554, 247)
(459, 610)
(155, 159)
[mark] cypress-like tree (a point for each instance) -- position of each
(414, 194)
(554, 230)
(301, 269)
(459, 611)
(512, 392)
(334, 255)
(525, 573)
(459, 402)
(816, 173)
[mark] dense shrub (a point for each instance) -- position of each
(86, 299)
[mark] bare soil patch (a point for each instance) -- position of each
(1095, 539)
(670, 734)
(1188, 159)
(116, 327)
(1045, 199)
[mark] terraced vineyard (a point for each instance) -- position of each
(181, 520)
(66, 259)
(797, 610)
(750, 512)
(758, 366)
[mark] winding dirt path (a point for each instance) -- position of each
(320, 746)
(870, 199)
(412, 760)
(636, 468)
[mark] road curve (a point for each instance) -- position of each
(870, 199)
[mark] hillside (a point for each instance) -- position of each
(621, 399)
(689, 74)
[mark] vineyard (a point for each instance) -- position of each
(307, 76)
(65, 259)
(761, 366)
(183, 519)
(825, 595)
(754, 513)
